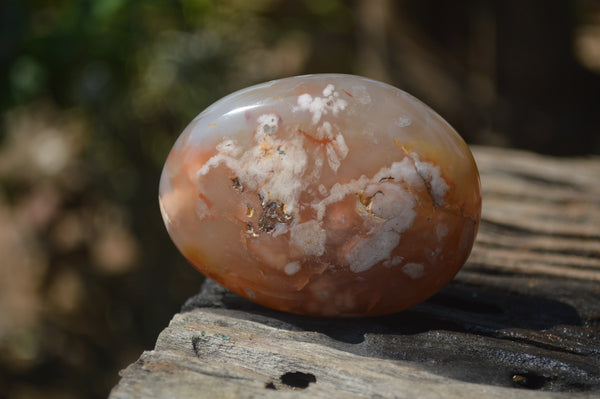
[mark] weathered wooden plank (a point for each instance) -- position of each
(239, 358)
(521, 320)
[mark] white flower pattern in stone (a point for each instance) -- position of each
(325, 195)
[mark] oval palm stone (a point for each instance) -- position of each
(324, 195)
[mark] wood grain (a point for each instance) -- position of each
(521, 320)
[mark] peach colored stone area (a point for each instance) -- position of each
(325, 195)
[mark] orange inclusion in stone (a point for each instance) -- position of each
(324, 195)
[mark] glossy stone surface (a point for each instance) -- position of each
(325, 195)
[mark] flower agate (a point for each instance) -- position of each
(324, 195)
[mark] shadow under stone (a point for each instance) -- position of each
(471, 334)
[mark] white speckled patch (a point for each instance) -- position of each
(309, 237)
(414, 270)
(292, 268)
(319, 106)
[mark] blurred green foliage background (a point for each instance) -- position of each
(95, 92)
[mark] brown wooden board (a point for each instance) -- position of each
(521, 320)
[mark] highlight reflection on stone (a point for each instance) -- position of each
(325, 195)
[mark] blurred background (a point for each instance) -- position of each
(95, 92)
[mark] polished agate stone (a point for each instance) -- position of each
(324, 195)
